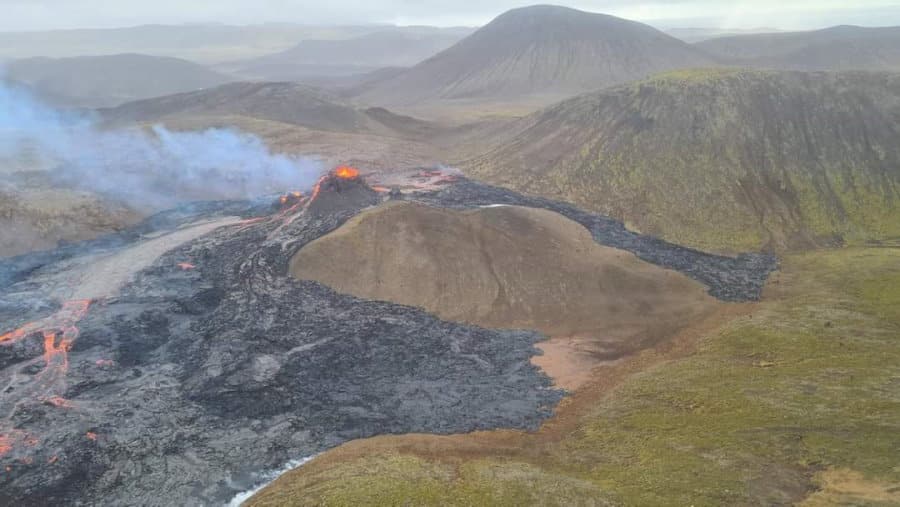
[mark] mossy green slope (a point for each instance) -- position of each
(809, 382)
(723, 160)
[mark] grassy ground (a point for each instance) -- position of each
(796, 399)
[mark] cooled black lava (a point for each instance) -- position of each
(213, 364)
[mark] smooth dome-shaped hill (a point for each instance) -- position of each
(505, 267)
(722, 160)
(540, 50)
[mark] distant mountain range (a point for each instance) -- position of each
(290, 103)
(544, 51)
(357, 55)
(720, 159)
(836, 48)
(204, 43)
(692, 35)
(99, 81)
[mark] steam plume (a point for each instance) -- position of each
(150, 168)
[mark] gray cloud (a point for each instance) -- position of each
(49, 14)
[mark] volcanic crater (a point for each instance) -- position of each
(175, 361)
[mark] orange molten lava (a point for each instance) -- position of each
(59, 332)
(185, 266)
(346, 172)
(59, 401)
(56, 352)
(91, 435)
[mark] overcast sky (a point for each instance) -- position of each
(787, 14)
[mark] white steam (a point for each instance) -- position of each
(149, 168)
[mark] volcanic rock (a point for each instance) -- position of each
(183, 375)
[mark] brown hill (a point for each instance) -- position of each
(539, 51)
(103, 81)
(290, 103)
(506, 267)
(836, 48)
(722, 160)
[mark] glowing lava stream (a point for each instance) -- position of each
(97, 279)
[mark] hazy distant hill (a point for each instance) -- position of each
(99, 81)
(692, 35)
(205, 43)
(291, 103)
(388, 48)
(836, 48)
(722, 159)
(540, 50)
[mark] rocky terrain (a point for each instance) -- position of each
(180, 358)
(722, 160)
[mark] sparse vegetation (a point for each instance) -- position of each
(722, 159)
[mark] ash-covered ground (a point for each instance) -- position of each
(172, 363)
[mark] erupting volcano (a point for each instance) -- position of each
(207, 362)
(346, 172)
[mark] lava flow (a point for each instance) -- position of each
(59, 332)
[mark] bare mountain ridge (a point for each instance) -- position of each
(206, 43)
(835, 48)
(357, 55)
(103, 81)
(540, 50)
(721, 160)
(291, 103)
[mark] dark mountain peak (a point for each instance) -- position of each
(566, 23)
(541, 50)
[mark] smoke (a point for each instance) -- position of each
(150, 168)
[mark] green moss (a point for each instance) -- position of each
(696, 75)
(721, 159)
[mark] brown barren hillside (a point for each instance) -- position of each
(722, 160)
(291, 104)
(508, 267)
